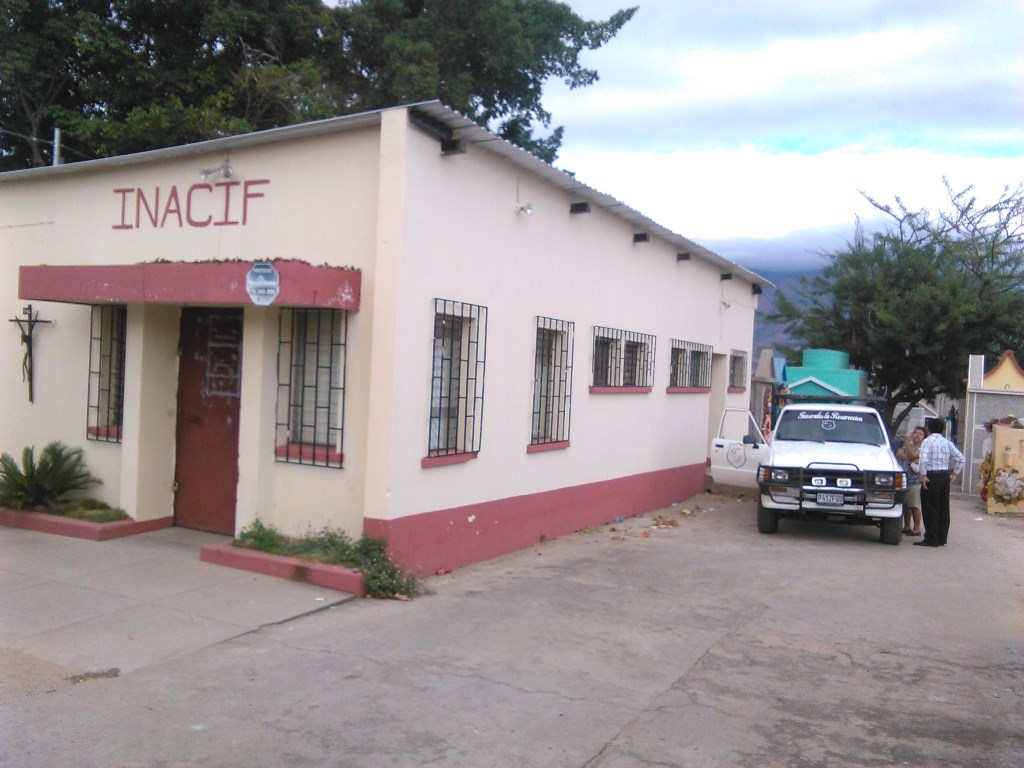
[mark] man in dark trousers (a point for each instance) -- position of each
(940, 463)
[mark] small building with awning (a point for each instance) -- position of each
(392, 323)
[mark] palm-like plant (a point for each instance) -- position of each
(44, 483)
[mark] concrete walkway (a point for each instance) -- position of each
(681, 638)
(73, 609)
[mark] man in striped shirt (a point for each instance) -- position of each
(940, 463)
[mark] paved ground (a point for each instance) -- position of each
(699, 644)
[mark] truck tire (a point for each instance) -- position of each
(767, 519)
(891, 530)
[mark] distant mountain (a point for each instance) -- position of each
(794, 252)
(783, 261)
(768, 335)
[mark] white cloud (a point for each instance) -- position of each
(745, 192)
(753, 118)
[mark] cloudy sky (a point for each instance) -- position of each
(732, 119)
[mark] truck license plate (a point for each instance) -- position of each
(830, 498)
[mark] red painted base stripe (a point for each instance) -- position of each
(80, 529)
(451, 538)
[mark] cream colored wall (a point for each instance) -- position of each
(151, 385)
(418, 226)
(1004, 377)
(462, 240)
(320, 206)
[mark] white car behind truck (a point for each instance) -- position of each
(824, 460)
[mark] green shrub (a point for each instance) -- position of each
(92, 510)
(44, 483)
(380, 574)
(369, 556)
(264, 538)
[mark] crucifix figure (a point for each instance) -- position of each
(27, 326)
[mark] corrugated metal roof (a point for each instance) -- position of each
(461, 127)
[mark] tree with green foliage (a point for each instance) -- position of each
(131, 75)
(911, 303)
(485, 58)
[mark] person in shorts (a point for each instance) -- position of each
(909, 454)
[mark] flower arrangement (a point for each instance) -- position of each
(987, 484)
(1010, 421)
(1007, 486)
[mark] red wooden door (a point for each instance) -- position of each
(209, 388)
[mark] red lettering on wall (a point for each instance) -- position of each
(141, 202)
(247, 195)
(188, 206)
(124, 207)
(173, 207)
(227, 220)
(148, 209)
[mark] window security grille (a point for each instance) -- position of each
(106, 373)
(623, 358)
(311, 386)
(552, 381)
(691, 364)
(457, 378)
(737, 368)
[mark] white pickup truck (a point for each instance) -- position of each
(824, 460)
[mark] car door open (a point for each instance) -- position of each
(737, 450)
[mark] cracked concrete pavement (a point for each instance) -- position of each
(699, 644)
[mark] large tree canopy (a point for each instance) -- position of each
(911, 303)
(131, 75)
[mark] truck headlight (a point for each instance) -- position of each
(779, 476)
(885, 481)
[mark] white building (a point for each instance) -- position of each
(391, 322)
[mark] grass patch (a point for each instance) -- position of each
(383, 579)
(90, 510)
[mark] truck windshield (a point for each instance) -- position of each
(822, 425)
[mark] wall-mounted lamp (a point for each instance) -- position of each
(525, 208)
(224, 169)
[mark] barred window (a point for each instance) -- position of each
(737, 369)
(691, 365)
(623, 358)
(311, 386)
(105, 415)
(552, 381)
(457, 378)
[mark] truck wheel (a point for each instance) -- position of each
(767, 519)
(891, 530)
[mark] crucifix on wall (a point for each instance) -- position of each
(27, 325)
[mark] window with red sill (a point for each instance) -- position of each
(106, 373)
(623, 361)
(310, 423)
(552, 383)
(457, 381)
(737, 370)
(691, 367)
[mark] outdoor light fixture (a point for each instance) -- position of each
(525, 208)
(224, 169)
